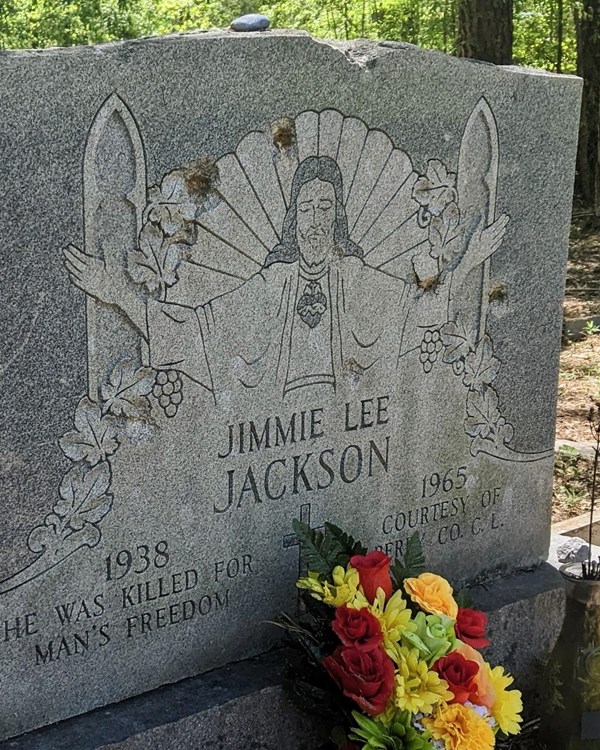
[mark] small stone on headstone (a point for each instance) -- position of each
(250, 22)
(573, 551)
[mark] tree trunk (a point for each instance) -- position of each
(560, 34)
(587, 23)
(485, 30)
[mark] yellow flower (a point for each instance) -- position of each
(312, 582)
(343, 590)
(433, 594)
(393, 616)
(507, 705)
(459, 728)
(416, 689)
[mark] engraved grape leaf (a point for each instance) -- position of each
(458, 342)
(172, 257)
(155, 263)
(94, 437)
(174, 219)
(483, 414)
(84, 496)
(481, 367)
(437, 189)
(125, 393)
(504, 431)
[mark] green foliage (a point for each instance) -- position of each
(44, 23)
(413, 562)
(323, 550)
(399, 735)
(591, 328)
(536, 28)
(428, 23)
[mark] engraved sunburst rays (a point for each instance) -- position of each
(255, 180)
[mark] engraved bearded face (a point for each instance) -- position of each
(316, 221)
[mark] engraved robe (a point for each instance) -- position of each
(240, 342)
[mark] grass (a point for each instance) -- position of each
(572, 476)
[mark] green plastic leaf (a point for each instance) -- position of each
(350, 546)
(413, 562)
(322, 551)
(414, 640)
(338, 736)
(364, 722)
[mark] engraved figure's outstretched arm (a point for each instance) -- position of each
(89, 274)
(482, 245)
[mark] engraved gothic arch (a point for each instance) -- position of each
(114, 198)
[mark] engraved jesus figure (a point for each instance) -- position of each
(313, 315)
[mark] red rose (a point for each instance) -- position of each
(374, 573)
(367, 677)
(470, 627)
(460, 674)
(357, 627)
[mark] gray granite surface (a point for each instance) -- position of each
(247, 278)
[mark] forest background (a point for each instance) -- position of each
(545, 34)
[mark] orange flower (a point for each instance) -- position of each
(433, 594)
(459, 728)
(485, 695)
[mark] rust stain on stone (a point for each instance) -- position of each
(283, 132)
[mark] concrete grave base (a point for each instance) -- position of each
(526, 612)
(243, 707)
(238, 707)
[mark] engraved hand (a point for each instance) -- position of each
(89, 274)
(482, 245)
(489, 239)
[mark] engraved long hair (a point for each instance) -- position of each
(313, 168)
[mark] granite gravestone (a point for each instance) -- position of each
(252, 278)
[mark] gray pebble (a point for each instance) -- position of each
(250, 22)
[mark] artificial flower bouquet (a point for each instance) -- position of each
(401, 652)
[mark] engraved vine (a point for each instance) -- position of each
(85, 497)
(474, 362)
(471, 359)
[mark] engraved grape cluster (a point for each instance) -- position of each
(431, 346)
(167, 391)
